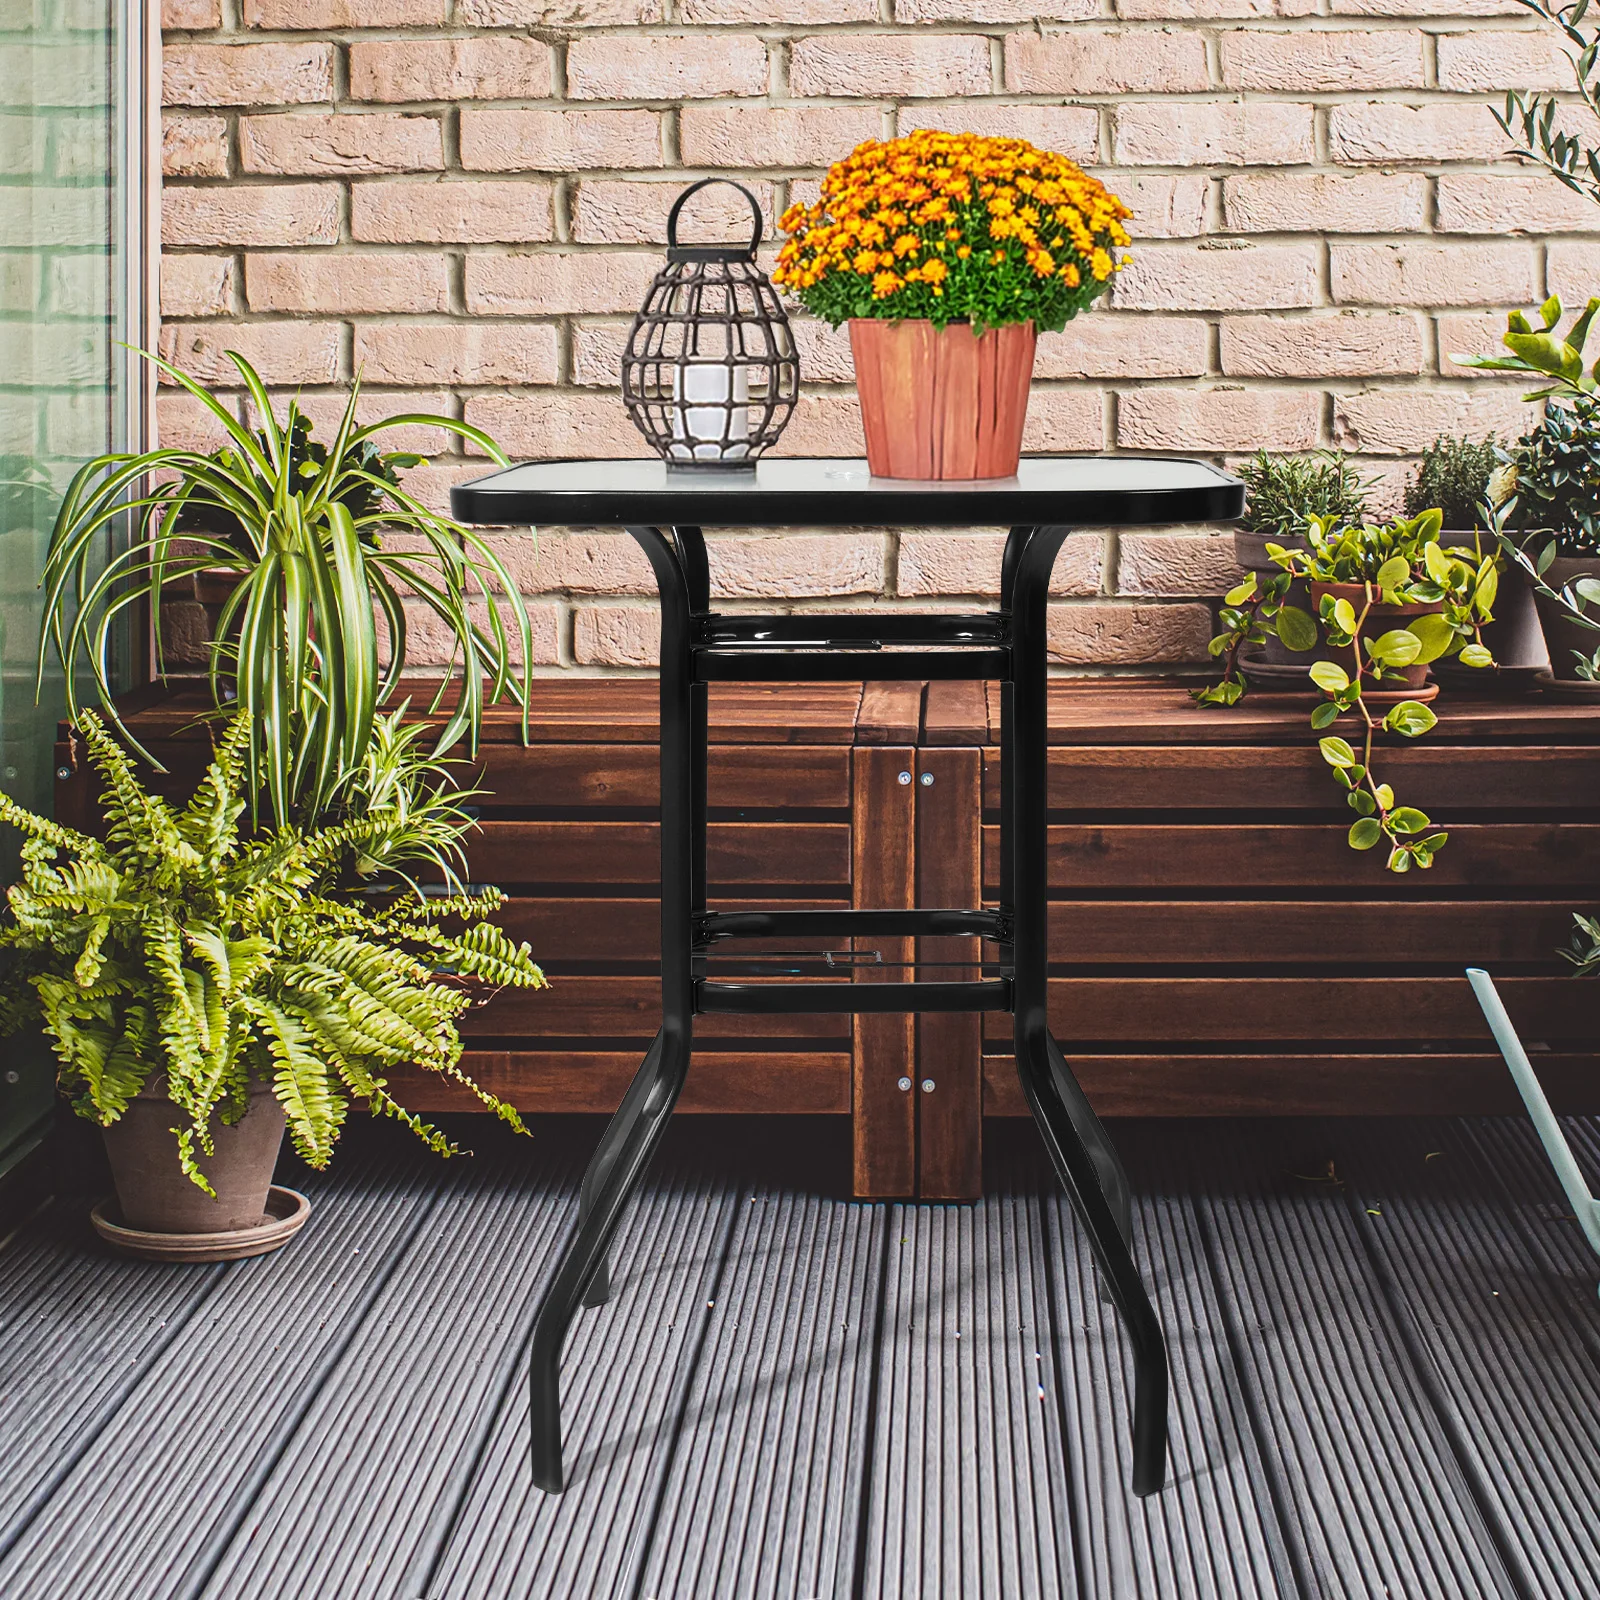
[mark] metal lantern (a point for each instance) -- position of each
(710, 373)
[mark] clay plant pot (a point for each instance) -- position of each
(1380, 619)
(1514, 638)
(1561, 634)
(942, 403)
(1250, 551)
(154, 1196)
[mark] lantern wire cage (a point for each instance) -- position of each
(710, 374)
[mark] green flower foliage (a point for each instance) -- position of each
(179, 948)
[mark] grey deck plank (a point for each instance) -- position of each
(1372, 1500)
(1507, 1332)
(969, 1496)
(1213, 1533)
(362, 1501)
(626, 1373)
(169, 1470)
(78, 1332)
(763, 1501)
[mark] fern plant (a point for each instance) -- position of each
(300, 530)
(181, 949)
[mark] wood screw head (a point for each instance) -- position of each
(63, 773)
(927, 780)
(928, 1085)
(904, 778)
(904, 1086)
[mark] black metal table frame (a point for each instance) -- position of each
(698, 648)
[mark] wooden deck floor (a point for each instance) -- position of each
(1384, 1346)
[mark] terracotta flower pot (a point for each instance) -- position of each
(1380, 619)
(152, 1192)
(942, 403)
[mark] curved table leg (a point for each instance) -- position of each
(1082, 1155)
(660, 1080)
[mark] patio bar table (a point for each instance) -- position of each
(665, 511)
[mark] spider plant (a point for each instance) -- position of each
(301, 530)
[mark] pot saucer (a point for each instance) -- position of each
(1567, 688)
(287, 1210)
(1292, 678)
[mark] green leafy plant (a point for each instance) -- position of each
(1282, 493)
(1251, 613)
(1453, 476)
(1530, 118)
(324, 547)
(180, 948)
(1552, 359)
(1549, 480)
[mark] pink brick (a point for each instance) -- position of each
(996, 10)
(767, 12)
(334, 142)
(1228, 133)
(1104, 344)
(559, 14)
(450, 353)
(1382, 131)
(1512, 203)
(244, 214)
(773, 136)
(575, 563)
(1347, 344)
(559, 141)
(1071, 131)
(495, 67)
(196, 286)
(194, 147)
(320, 14)
(1064, 419)
(597, 353)
(1176, 563)
(1148, 62)
(616, 636)
(430, 644)
(1113, 633)
(1219, 419)
(665, 67)
(1429, 9)
(551, 426)
(796, 566)
(824, 424)
(1478, 61)
(1262, 277)
(1571, 273)
(1402, 421)
(958, 563)
(1164, 207)
(282, 352)
(195, 15)
(824, 352)
(1473, 334)
(615, 211)
(182, 423)
(359, 282)
(452, 213)
(1194, 10)
(1418, 274)
(246, 74)
(1313, 202)
(558, 281)
(1320, 62)
(902, 65)
(432, 481)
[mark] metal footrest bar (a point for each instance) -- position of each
(991, 994)
(836, 666)
(845, 924)
(845, 627)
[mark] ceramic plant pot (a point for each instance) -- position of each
(1514, 638)
(1380, 619)
(154, 1196)
(942, 403)
(1562, 635)
(1250, 551)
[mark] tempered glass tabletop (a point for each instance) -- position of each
(1122, 491)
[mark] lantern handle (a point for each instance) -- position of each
(695, 188)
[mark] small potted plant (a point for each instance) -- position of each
(947, 254)
(203, 987)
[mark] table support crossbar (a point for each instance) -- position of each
(848, 924)
(822, 999)
(846, 666)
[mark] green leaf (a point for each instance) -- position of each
(1589, 589)
(1329, 675)
(1435, 637)
(1411, 718)
(1344, 616)
(1364, 833)
(1237, 595)
(1362, 802)
(1437, 563)
(1296, 629)
(1384, 795)
(1324, 715)
(1476, 655)
(1407, 819)
(1400, 860)
(1399, 647)
(1395, 571)
(1336, 751)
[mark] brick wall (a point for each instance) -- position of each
(464, 199)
